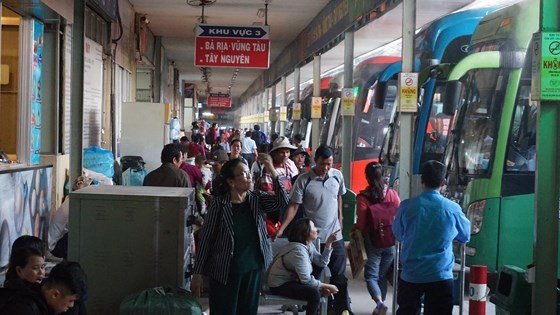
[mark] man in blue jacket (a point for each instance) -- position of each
(426, 227)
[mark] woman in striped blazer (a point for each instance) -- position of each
(234, 245)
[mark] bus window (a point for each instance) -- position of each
(373, 127)
(479, 127)
(521, 154)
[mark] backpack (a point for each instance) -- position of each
(259, 137)
(382, 215)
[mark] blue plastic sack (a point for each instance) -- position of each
(99, 160)
(133, 177)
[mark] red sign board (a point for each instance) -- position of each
(219, 100)
(232, 46)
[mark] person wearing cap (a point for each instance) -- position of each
(285, 168)
(297, 140)
(217, 160)
(299, 156)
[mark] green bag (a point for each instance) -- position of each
(167, 300)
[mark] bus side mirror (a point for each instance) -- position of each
(452, 97)
(380, 94)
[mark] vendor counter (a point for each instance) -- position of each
(25, 203)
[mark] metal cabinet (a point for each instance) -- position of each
(128, 239)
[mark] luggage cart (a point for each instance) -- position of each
(396, 264)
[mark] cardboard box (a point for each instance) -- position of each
(356, 253)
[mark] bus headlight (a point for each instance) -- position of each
(475, 214)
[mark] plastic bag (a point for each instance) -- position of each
(133, 177)
(167, 300)
(100, 178)
(99, 160)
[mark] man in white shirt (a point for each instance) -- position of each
(248, 148)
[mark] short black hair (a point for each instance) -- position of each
(257, 127)
(198, 138)
(171, 151)
(298, 137)
(323, 151)
(184, 139)
(234, 140)
(69, 277)
(29, 241)
(433, 173)
(300, 231)
(263, 148)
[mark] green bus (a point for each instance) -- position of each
(491, 151)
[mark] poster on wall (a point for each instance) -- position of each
(93, 92)
(67, 94)
(36, 95)
(25, 201)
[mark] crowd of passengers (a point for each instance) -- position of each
(264, 188)
(252, 189)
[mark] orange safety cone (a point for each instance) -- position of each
(477, 290)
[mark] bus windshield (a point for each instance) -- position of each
(478, 125)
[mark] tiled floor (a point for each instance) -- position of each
(362, 304)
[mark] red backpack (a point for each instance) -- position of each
(382, 215)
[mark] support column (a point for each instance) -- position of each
(272, 112)
(348, 121)
(77, 97)
(296, 123)
(282, 124)
(316, 92)
(406, 119)
(546, 191)
(264, 126)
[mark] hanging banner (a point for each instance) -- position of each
(36, 95)
(232, 46)
(550, 69)
(348, 107)
(316, 106)
(219, 100)
(283, 113)
(408, 92)
(93, 93)
(273, 114)
(296, 111)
